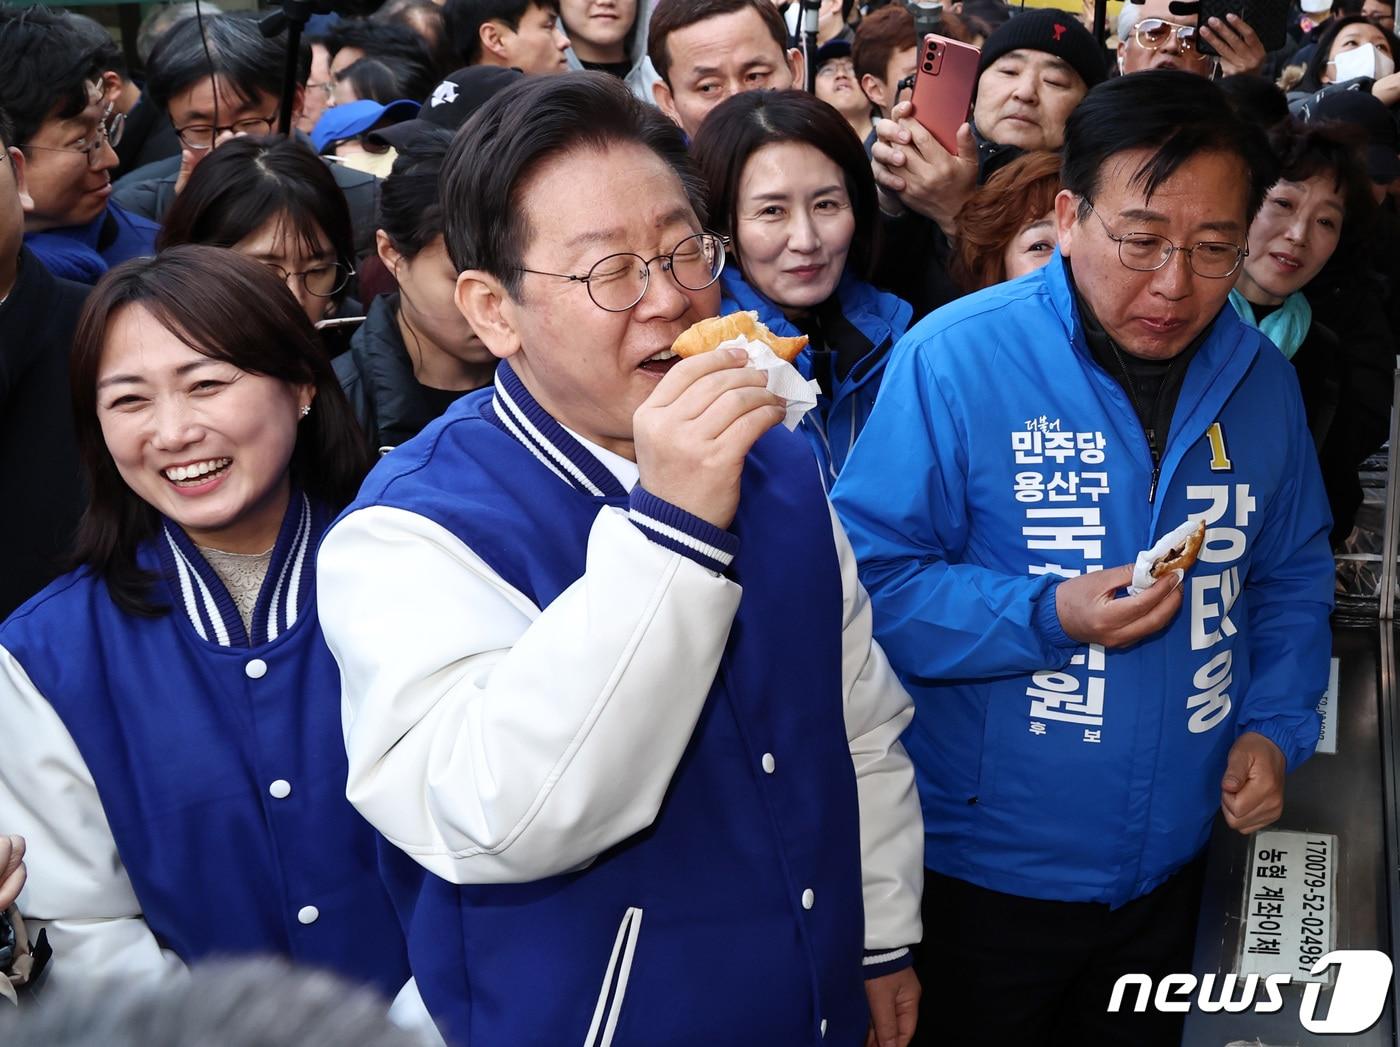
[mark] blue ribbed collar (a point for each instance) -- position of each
(520, 414)
(285, 594)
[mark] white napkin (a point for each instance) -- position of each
(783, 379)
(1142, 568)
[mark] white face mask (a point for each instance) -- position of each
(1366, 60)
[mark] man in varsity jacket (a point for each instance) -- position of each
(610, 693)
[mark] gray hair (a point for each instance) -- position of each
(265, 1002)
(1128, 17)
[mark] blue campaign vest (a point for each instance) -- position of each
(725, 952)
(186, 726)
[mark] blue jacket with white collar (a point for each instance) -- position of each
(736, 915)
(876, 316)
(218, 761)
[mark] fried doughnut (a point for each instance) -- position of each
(1181, 557)
(710, 334)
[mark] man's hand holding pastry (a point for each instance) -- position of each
(1091, 611)
(693, 433)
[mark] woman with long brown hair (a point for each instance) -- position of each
(180, 775)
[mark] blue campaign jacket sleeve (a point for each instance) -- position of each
(902, 499)
(1290, 604)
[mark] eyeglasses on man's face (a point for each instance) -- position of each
(325, 280)
(619, 281)
(90, 146)
(837, 66)
(1152, 34)
(201, 137)
(1148, 252)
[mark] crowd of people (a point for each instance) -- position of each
(387, 605)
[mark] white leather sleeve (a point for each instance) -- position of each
(878, 709)
(77, 887)
(497, 742)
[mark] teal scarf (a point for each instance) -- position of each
(1286, 326)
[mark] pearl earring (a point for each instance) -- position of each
(305, 410)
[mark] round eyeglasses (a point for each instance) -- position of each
(1148, 252)
(1154, 33)
(200, 137)
(619, 281)
(91, 148)
(114, 123)
(323, 281)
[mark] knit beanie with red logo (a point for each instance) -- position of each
(1053, 32)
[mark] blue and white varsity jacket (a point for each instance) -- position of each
(640, 777)
(1001, 459)
(181, 784)
(880, 317)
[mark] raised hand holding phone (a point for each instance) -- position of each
(943, 89)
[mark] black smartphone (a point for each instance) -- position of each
(1268, 19)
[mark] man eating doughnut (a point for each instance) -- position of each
(610, 693)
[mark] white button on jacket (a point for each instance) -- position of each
(769, 764)
(280, 789)
(256, 669)
(809, 898)
(309, 914)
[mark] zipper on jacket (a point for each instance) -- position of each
(1151, 435)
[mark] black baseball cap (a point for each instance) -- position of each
(450, 105)
(1364, 111)
(837, 48)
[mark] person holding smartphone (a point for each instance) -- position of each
(1152, 36)
(1032, 73)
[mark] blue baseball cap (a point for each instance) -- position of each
(355, 118)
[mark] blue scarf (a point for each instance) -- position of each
(1286, 326)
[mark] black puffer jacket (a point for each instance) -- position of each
(377, 376)
(40, 483)
(1347, 407)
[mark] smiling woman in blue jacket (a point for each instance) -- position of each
(177, 765)
(790, 184)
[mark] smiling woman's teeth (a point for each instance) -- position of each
(196, 470)
(665, 354)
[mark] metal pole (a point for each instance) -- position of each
(1390, 546)
(811, 13)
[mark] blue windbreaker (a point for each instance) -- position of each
(880, 317)
(1001, 458)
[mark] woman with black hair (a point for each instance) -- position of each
(382, 80)
(1319, 209)
(414, 355)
(1350, 48)
(181, 780)
(275, 201)
(790, 185)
